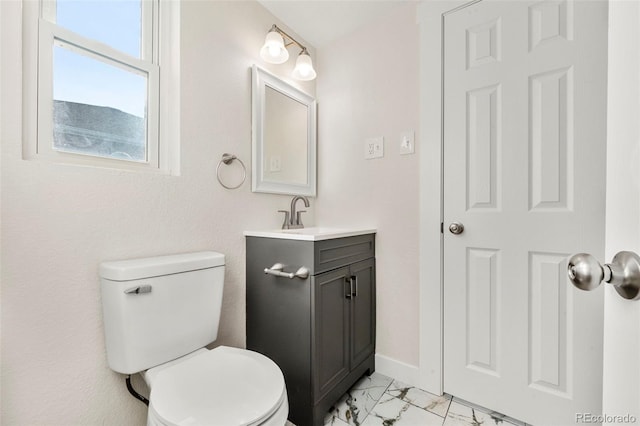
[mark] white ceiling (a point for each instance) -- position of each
(320, 22)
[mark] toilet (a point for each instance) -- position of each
(159, 314)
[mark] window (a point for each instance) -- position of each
(93, 85)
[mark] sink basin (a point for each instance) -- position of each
(310, 234)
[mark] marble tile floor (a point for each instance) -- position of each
(379, 400)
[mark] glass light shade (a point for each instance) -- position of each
(304, 67)
(274, 50)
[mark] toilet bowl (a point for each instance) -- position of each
(159, 313)
(223, 386)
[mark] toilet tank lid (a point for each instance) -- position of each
(134, 269)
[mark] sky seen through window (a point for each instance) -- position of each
(84, 79)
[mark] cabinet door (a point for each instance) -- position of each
(331, 330)
(363, 310)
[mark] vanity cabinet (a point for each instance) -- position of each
(320, 330)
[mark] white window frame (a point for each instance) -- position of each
(160, 50)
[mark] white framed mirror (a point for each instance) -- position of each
(284, 137)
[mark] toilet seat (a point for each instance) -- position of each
(224, 386)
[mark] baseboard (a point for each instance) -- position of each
(406, 373)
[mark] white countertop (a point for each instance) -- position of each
(310, 234)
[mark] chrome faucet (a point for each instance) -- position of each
(293, 219)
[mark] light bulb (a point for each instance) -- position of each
(274, 50)
(304, 71)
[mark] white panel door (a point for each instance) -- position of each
(524, 172)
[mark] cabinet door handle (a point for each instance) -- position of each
(349, 292)
(354, 289)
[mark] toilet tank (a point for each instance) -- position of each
(160, 308)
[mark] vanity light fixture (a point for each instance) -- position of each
(275, 51)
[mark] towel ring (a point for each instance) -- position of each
(228, 159)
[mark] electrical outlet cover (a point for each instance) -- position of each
(374, 148)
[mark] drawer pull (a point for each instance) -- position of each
(277, 270)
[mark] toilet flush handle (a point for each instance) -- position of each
(139, 289)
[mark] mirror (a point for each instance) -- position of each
(284, 137)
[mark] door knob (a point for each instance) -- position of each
(623, 273)
(456, 228)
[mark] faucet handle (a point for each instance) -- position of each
(299, 218)
(287, 220)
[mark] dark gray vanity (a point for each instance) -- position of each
(320, 329)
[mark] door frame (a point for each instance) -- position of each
(430, 18)
(622, 317)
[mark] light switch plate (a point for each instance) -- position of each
(407, 142)
(374, 148)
